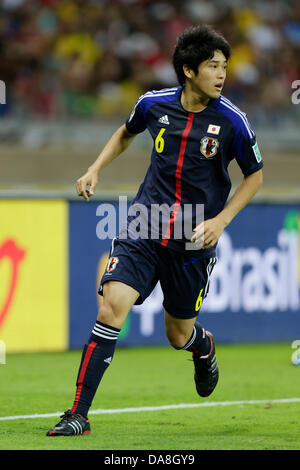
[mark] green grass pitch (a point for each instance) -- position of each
(138, 377)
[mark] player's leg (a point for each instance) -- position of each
(129, 278)
(118, 298)
(202, 346)
(186, 333)
(184, 280)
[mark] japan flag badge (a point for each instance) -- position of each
(213, 129)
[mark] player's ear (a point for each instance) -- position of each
(188, 72)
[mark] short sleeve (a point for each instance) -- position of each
(136, 123)
(245, 148)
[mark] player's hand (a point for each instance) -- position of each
(208, 232)
(85, 185)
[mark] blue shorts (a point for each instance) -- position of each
(184, 276)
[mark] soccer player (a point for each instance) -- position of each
(196, 133)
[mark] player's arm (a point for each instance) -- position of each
(119, 142)
(243, 194)
(211, 230)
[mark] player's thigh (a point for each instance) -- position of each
(118, 299)
(178, 330)
(185, 280)
(131, 264)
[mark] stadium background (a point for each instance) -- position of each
(73, 71)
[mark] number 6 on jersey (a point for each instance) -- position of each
(159, 141)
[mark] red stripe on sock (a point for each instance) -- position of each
(185, 134)
(84, 365)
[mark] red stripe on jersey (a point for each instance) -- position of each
(83, 368)
(184, 137)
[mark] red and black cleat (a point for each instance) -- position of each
(206, 370)
(70, 425)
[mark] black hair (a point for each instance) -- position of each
(195, 45)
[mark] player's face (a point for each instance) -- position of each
(211, 76)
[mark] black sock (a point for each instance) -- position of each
(96, 357)
(199, 343)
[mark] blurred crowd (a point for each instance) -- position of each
(94, 58)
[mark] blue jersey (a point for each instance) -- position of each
(190, 156)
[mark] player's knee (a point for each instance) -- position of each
(109, 313)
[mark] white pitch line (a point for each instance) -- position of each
(159, 408)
